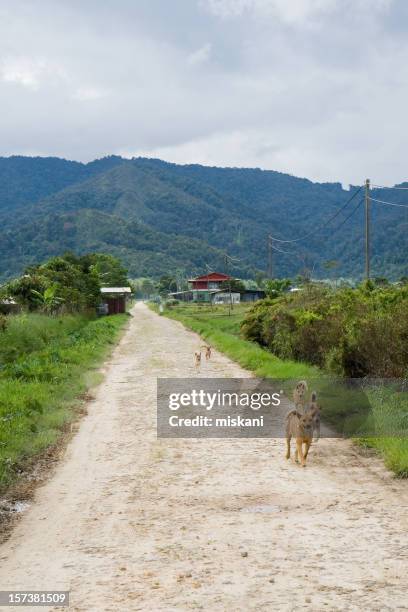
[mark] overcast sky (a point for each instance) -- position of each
(316, 88)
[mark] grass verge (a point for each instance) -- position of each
(46, 363)
(223, 332)
(343, 411)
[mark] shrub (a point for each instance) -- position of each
(354, 332)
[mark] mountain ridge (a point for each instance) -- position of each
(203, 211)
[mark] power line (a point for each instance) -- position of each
(275, 248)
(385, 187)
(334, 230)
(389, 203)
(323, 225)
(347, 218)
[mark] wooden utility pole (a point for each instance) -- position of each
(227, 262)
(270, 260)
(367, 229)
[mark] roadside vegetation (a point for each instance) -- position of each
(50, 352)
(65, 284)
(347, 332)
(350, 344)
(46, 363)
(223, 331)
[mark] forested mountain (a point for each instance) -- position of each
(29, 179)
(159, 217)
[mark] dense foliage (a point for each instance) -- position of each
(66, 284)
(158, 217)
(349, 332)
(24, 180)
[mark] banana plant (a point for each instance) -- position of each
(48, 300)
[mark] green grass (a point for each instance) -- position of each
(45, 364)
(344, 409)
(223, 332)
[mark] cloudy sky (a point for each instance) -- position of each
(316, 88)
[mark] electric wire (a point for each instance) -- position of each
(389, 203)
(275, 248)
(385, 187)
(334, 230)
(355, 209)
(322, 226)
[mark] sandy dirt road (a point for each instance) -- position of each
(129, 522)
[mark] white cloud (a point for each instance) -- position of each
(286, 10)
(227, 8)
(88, 94)
(295, 86)
(24, 71)
(291, 11)
(200, 56)
(31, 72)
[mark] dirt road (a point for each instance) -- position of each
(129, 522)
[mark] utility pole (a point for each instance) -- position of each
(227, 262)
(367, 229)
(270, 261)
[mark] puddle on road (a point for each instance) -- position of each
(15, 507)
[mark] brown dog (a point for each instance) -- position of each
(207, 351)
(300, 427)
(197, 359)
(314, 410)
(299, 394)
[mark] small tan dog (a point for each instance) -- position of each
(314, 409)
(299, 394)
(300, 427)
(197, 359)
(207, 351)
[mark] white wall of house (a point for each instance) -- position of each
(224, 298)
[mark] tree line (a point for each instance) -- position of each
(69, 283)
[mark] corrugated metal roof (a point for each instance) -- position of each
(116, 290)
(220, 276)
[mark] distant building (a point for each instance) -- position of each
(205, 287)
(214, 287)
(224, 297)
(9, 306)
(252, 295)
(114, 300)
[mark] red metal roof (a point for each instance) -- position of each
(212, 276)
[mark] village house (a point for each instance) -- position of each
(214, 288)
(205, 287)
(114, 300)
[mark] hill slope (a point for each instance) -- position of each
(159, 216)
(29, 179)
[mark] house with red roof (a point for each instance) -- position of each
(210, 281)
(203, 288)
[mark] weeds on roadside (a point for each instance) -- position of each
(44, 366)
